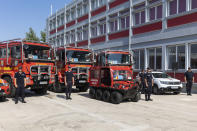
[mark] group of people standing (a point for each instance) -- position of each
(147, 83)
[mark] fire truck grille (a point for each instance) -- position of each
(40, 69)
(80, 72)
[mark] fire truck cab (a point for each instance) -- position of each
(80, 60)
(111, 78)
(35, 60)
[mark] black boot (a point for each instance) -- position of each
(23, 101)
(16, 101)
(146, 97)
(149, 98)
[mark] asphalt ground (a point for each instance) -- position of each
(52, 112)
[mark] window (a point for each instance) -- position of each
(181, 57)
(62, 19)
(51, 25)
(94, 29)
(68, 16)
(72, 36)
(177, 6)
(124, 19)
(194, 4)
(94, 4)
(139, 14)
(73, 13)
(67, 38)
(101, 2)
(176, 54)
(94, 74)
(113, 23)
(79, 10)
(102, 27)
(193, 56)
(79, 34)
(3, 53)
(85, 8)
(155, 58)
(155, 12)
(54, 23)
(85, 32)
(139, 59)
(158, 58)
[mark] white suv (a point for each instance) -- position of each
(164, 83)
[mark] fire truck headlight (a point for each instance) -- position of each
(5, 84)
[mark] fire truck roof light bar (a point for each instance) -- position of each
(73, 47)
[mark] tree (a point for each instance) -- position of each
(31, 35)
(43, 36)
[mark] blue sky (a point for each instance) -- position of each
(16, 16)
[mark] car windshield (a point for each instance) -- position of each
(36, 52)
(78, 56)
(121, 75)
(161, 75)
(118, 59)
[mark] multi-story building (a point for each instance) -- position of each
(161, 33)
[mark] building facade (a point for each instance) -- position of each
(162, 34)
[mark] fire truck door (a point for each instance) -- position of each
(15, 55)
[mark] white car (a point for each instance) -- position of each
(164, 83)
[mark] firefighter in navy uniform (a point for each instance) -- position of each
(20, 84)
(69, 81)
(189, 79)
(142, 80)
(149, 84)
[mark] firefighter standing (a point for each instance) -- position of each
(189, 79)
(20, 84)
(149, 84)
(69, 81)
(142, 80)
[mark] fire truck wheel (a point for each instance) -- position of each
(57, 88)
(92, 93)
(3, 98)
(99, 94)
(12, 88)
(41, 91)
(106, 96)
(137, 97)
(116, 97)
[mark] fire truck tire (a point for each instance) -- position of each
(57, 88)
(82, 88)
(12, 88)
(137, 97)
(116, 97)
(92, 93)
(106, 96)
(3, 98)
(99, 94)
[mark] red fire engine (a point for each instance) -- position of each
(34, 57)
(111, 78)
(80, 60)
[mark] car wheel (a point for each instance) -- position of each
(11, 86)
(116, 97)
(106, 96)
(99, 94)
(156, 90)
(137, 97)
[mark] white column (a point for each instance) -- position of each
(65, 21)
(146, 11)
(130, 23)
(187, 60)
(145, 58)
(56, 27)
(164, 15)
(107, 21)
(89, 13)
(164, 58)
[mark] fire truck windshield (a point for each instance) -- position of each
(122, 75)
(75, 56)
(36, 52)
(116, 59)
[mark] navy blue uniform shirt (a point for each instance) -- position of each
(69, 76)
(20, 78)
(189, 75)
